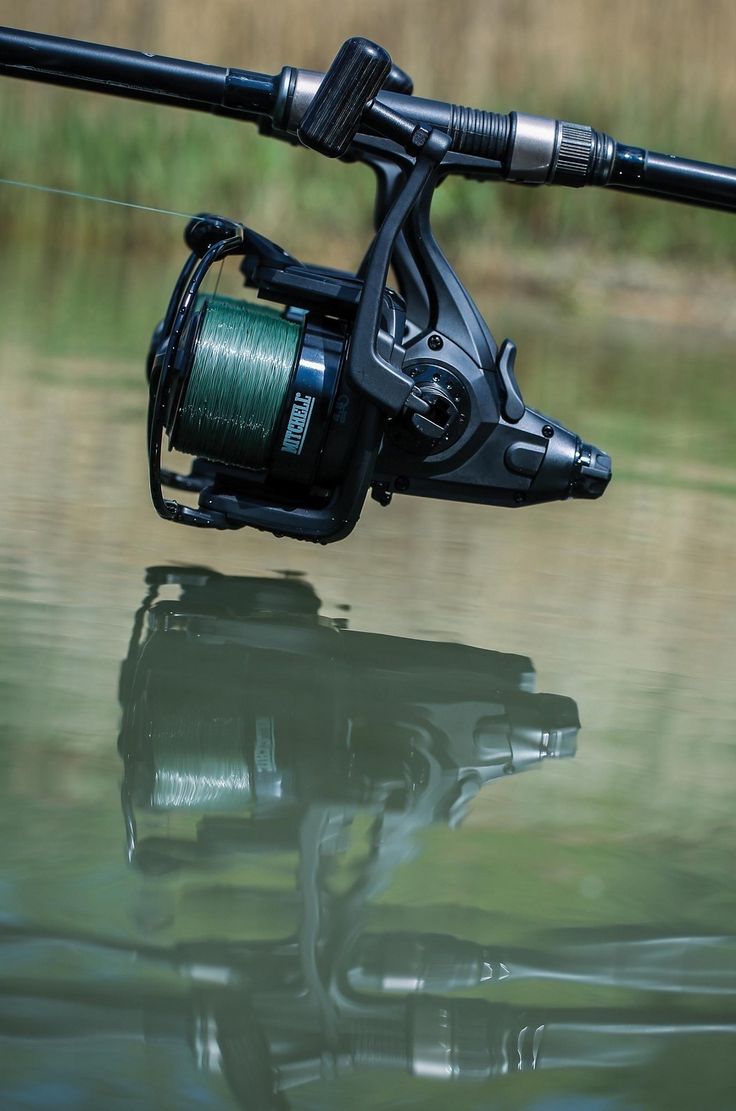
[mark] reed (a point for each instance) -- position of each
(659, 74)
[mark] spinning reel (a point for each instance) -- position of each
(294, 414)
(354, 386)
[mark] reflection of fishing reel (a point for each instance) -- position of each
(243, 706)
(271, 729)
(294, 415)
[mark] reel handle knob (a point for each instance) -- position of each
(333, 118)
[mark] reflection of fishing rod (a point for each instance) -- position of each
(401, 963)
(406, 963)
(429, 1037)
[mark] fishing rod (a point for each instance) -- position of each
(294, 414)
(529, 149)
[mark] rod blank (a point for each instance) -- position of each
(133, 74)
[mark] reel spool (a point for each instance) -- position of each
(240, 385)
(241, 362)
(260, 396)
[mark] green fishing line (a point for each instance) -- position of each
(243, 358)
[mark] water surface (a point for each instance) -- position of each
(354, 842)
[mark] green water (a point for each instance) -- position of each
(277, 926)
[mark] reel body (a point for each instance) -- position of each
(392, 391)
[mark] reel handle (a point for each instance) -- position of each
(333, 118)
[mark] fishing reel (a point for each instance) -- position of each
(294, 414)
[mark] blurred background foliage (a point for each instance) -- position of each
(655, 74)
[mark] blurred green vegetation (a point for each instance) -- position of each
(661, 77)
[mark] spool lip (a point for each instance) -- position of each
(181, 375)
(160, 387)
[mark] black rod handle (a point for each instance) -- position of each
(106, 65)
(671, 178)
(133, 74)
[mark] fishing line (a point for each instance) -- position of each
(199, 763)
(242, 362)
(241, 367)
(93, 197)
(219, 275)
